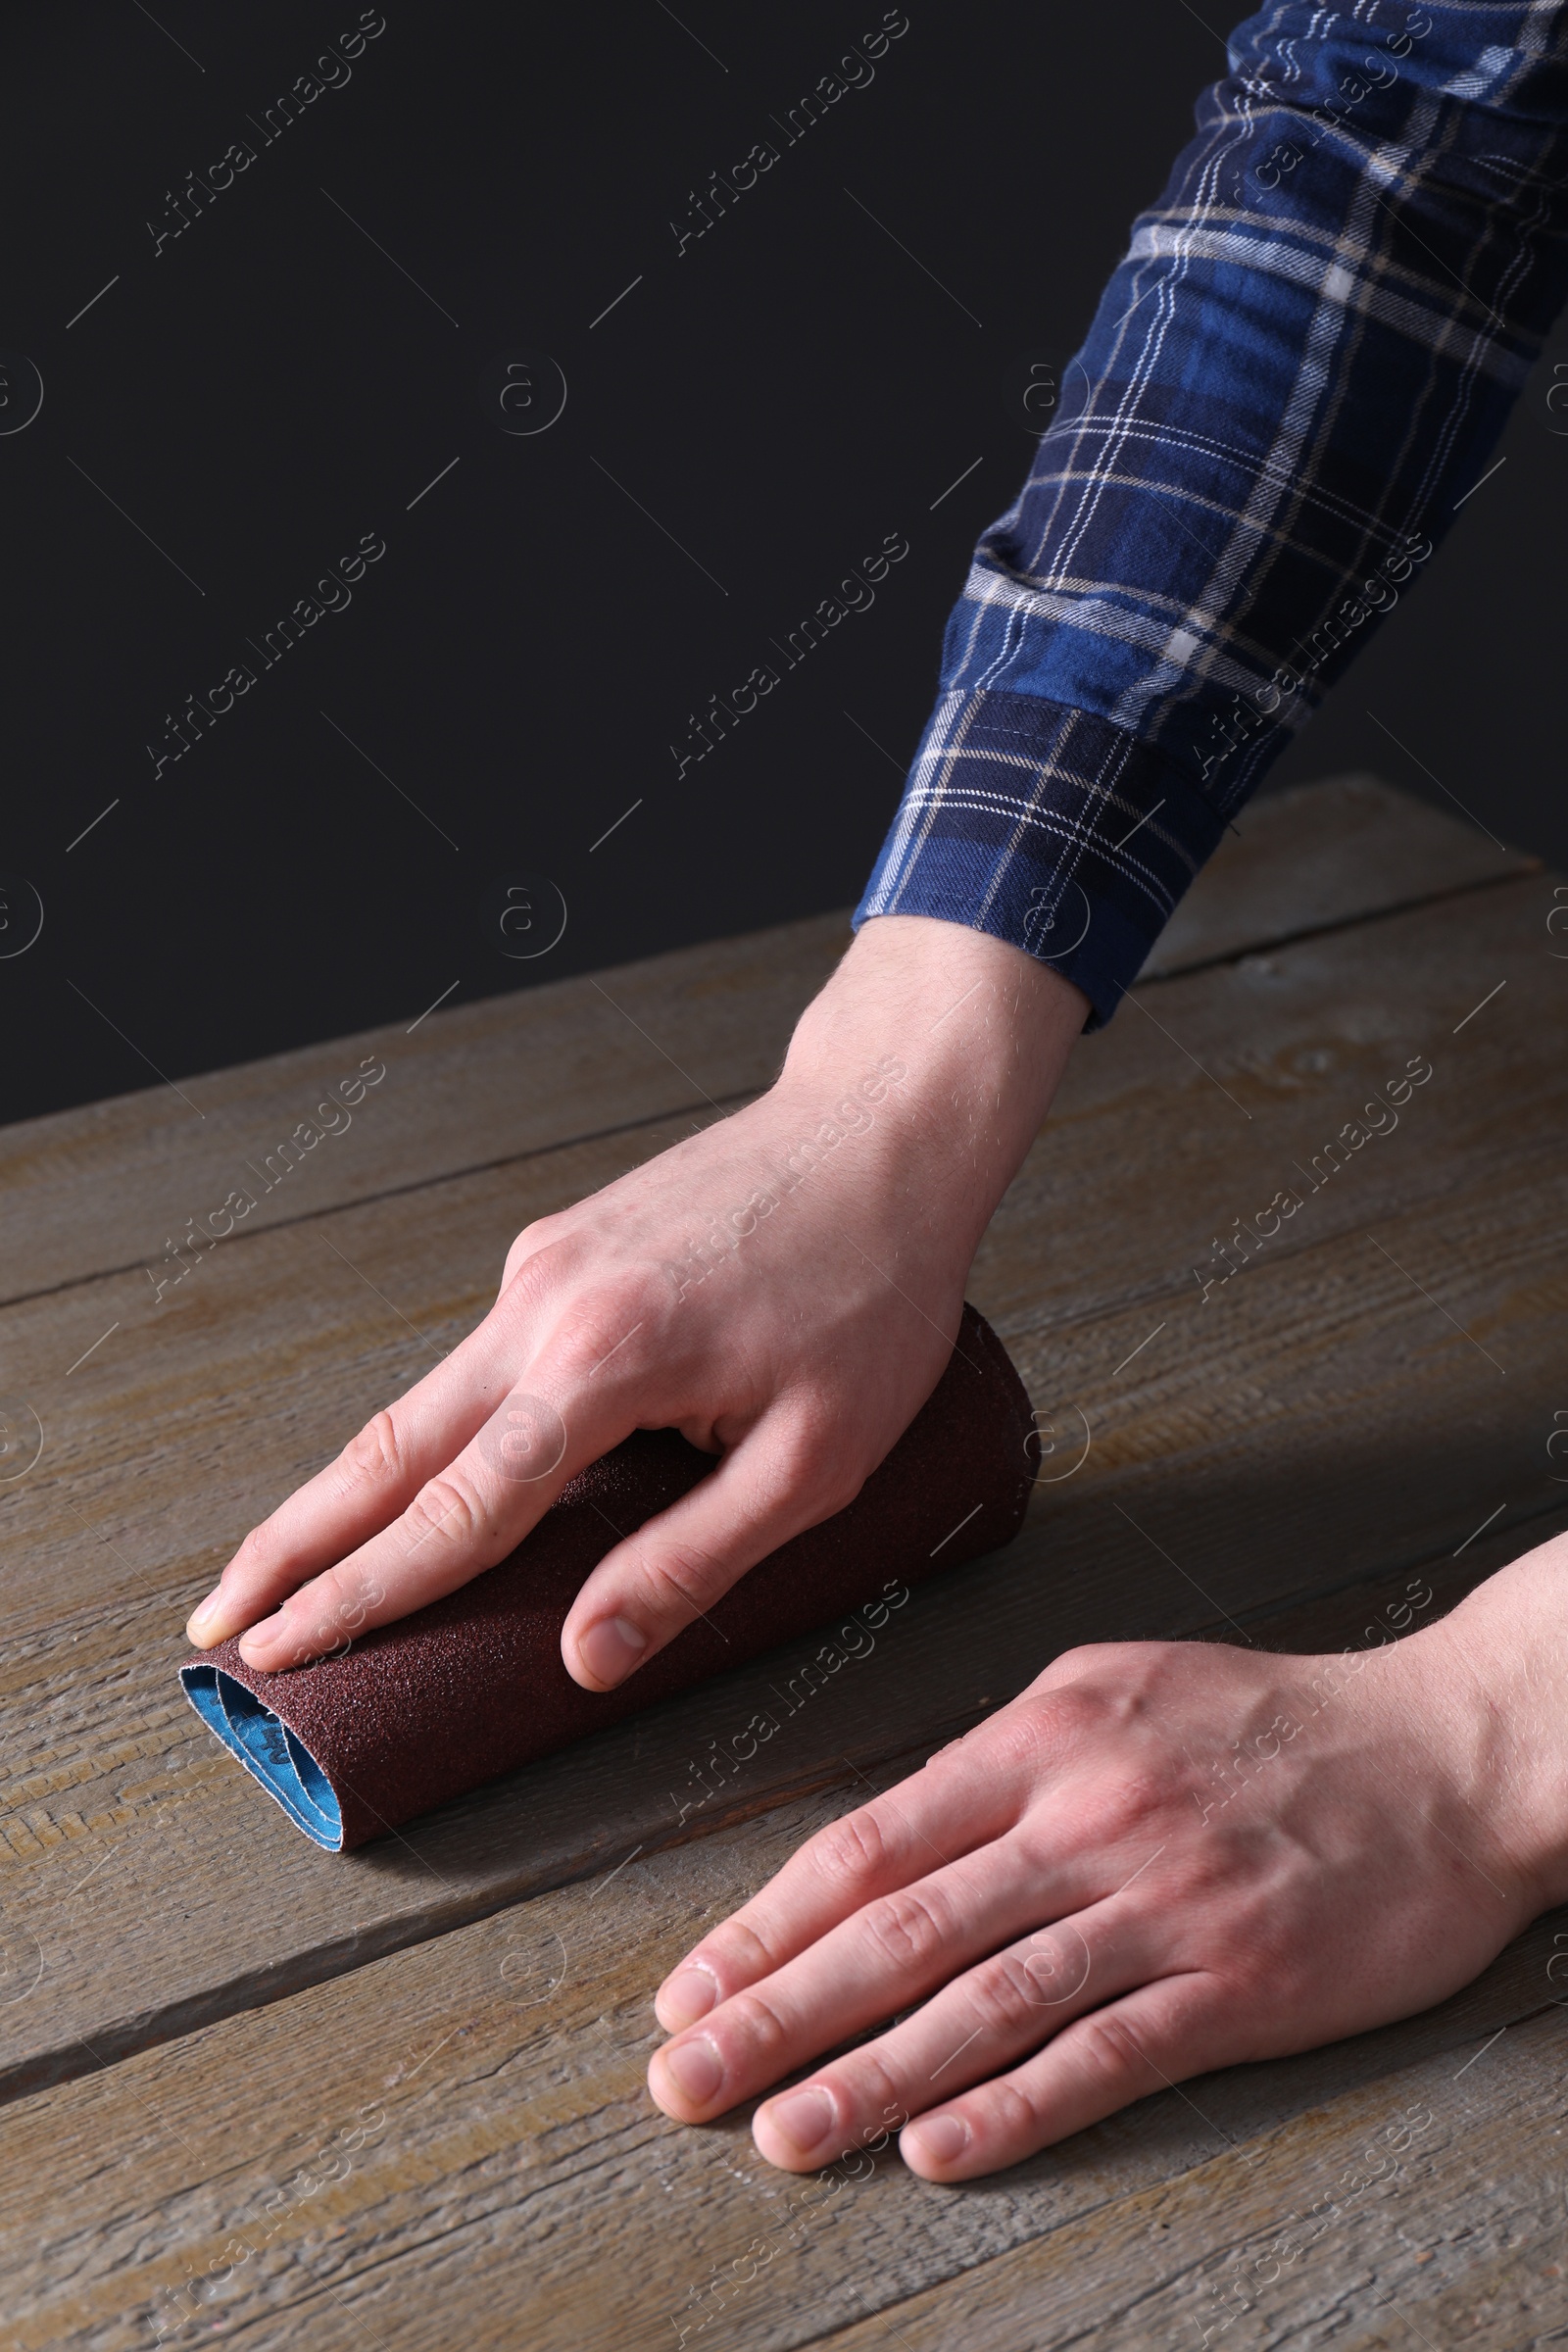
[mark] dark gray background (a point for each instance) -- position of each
(799, 383)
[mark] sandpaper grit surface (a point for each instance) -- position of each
(427, 1708)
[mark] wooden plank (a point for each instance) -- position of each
(172, 1862)
(108, 1186)
(1165, 1138)
(1296, 1429)
(1214, 1093)
(448, 2142)
(1311, 2238)
(84, 1191)
(1320, 855)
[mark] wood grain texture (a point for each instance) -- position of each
(1427, 2208)
(1322, 1415)
(458, 2138)
(1321, 856)
(88, 1191)
(110, 1185)
(459, 2018)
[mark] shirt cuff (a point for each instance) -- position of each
(1047, 827)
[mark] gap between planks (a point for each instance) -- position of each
(516, 2133)
(1309, 855)
(1300, 1624)
(200, 1859)
(283, 1866)
(724, 1105)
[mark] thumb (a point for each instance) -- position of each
(783, 1477)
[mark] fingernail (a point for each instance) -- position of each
(804, 2118)
(941, 2138)
(610, 1650)
(696, 2070)
(203, 1617)
(690, 1995)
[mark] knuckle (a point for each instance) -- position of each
(1130, 1802)
(324, 1592)
(373, 1455)
(338, 1618)
(906, 1929)
(1107, 2053)
(1005, 1994)
(758, 2025)
(315, 1612)
(1033, 1736)
(1073, 1665)
(811, 1483)
(1071, 1712)
(361, 1594)
(1113, 1810)
(850, 1853)
(811, 1457)
(680, 1578)
(529, 1244)
(736, 1950)
(447, 1505)
(612, 1324)
(863, 2083)
(255, 1549)
(1087, 1657)
(640, 1293)
(533, 1277)
(1103, 1671)
(1009, 2113)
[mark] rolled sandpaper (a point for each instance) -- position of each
(427, 1708)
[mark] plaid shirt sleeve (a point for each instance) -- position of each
(1295, 375)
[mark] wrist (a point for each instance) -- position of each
(1499, 1668)
(959, 1041)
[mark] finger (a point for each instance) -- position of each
(462, 1520)
(988, 2018)
(777, 1481)
(378, 1474)
(1155, 2037)
(890, 1955)
(961, 1800)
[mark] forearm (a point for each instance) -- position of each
(1292, 381)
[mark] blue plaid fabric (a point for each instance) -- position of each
(1299, 368)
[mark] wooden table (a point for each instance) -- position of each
(396, 2100)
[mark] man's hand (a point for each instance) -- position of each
(784, 1288)
(1162, 1858)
